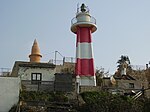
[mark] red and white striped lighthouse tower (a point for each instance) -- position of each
(83, 25)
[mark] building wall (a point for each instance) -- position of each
(9, 92)
(147, 93)
(63, 82)
(125, 85)
(106, 82)
(66, 67)
(47, 73)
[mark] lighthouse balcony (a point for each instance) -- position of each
(86, 22)
(92, 20)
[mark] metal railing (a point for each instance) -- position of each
(5, 71)
(69, 59)
(138, 67)
(61, 62)
(92, 20)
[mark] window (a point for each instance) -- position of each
(36, 78)
(131, 85)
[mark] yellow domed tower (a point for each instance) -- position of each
(35, 55)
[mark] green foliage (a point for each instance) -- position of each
(100, 73)
(107, 102)
(147, 105)
(60, 97)
(123, 59)
(13, 108)
(43, 96)
(97, 101)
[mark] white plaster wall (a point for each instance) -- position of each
(47, 73)
(9, 92)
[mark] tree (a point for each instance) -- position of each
(123, 64)
(100, 73)
(123, 60)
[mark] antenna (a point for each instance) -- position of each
(77, 7)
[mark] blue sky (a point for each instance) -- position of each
(123, 29)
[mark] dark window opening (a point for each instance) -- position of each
(36, 78)
(131, 85)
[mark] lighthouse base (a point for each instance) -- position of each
(86, 80)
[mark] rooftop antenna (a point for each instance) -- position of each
(77, 7)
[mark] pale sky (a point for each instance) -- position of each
(123, 29)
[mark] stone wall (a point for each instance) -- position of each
(63, 82)
(89, 88)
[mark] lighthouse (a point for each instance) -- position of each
(83, 25)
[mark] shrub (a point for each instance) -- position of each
(105, 102)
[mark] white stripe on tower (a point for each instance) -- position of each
(84, 50)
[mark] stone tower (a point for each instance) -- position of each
(35, 55)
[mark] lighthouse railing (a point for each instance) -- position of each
(92, 20)
(5, 72)
(62, 61)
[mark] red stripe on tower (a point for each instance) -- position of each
(84, 34)
(85, 67)
(83, 26)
